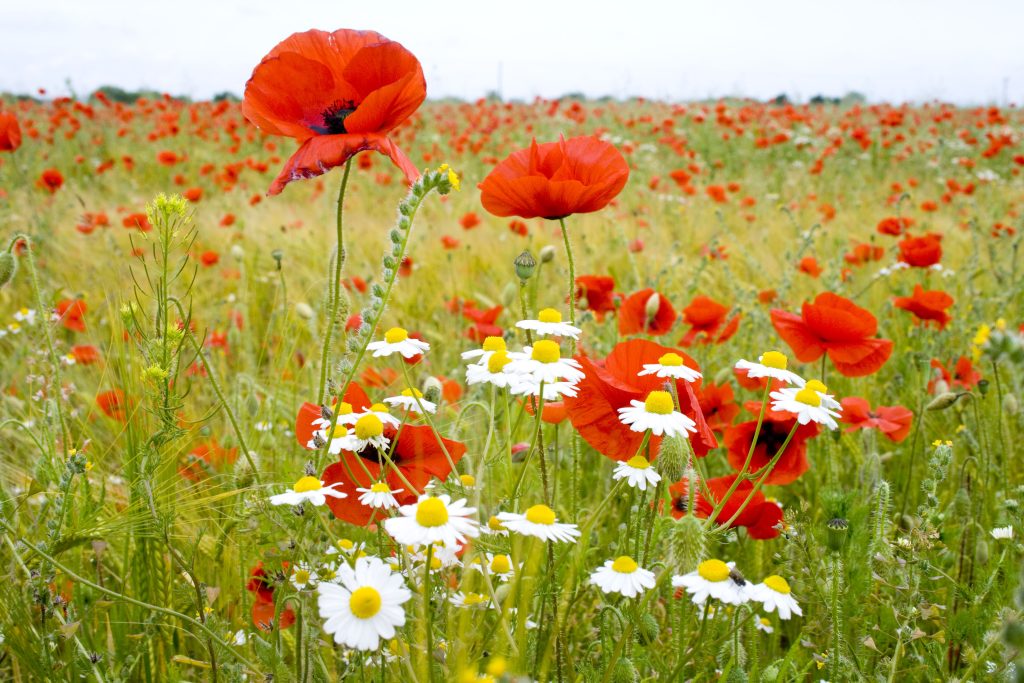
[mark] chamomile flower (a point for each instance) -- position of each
(623, 576)
(1002, 533)
(713, 579)
(658, 414)
(497, 564)
(302, 577)
(470, 600)
(307, 489)
(379, 495)
(397, 340)
(383, 414)
(365, 606)
(771, 364)
(412, 399)
(549, 322)
(774, 593)
(492, 370)
(670, 365)
(763, 624)
(827, 400)
(346, 546)
(441, 556)
(553, 391)
(806, 404)
(487, 349)
(368, 431)
(539, 521)
(25, 315)
(495, 527)
(543, 362)
(637, 472)
(433, 520)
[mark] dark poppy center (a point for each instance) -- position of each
(370, 453)
(772, 439)
(334, 117)
(680, 504)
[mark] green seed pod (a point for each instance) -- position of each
(625, 672)
(525, 265)
(686, 545)
(277, 255)
(647, 630)
(837, 533)
(8, 266)
(671, 462)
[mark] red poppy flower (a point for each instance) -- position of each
(964, 375)
(50, 180)
(263, 609)
(612, 383)
(717, 405)
(838, 327)
(10, 132)
(921, 252)
(355, 396)
(893, 421)
(554, 412)
(138, 221)
(72, 314)
(596, 293)
(85, 354)
(707, 320)
(113, 404)
(809, 265)
(469, 220)
(648, 312)
(893, 226)
(339, 94)
(209, 258)
(774, 430)
(555, 179)
(483, 322)
(760, 517)
(207, 457)
(927, 305)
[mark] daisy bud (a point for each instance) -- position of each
(525, 265)
(432, 389)
(943, 401)
(648, 630)
(547, 254)
(1010, 404)
(625, 672)
(837, 532)
(8, 265)
(671, 462)
(304, 311)
(686, 544)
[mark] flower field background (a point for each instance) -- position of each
(192, 381)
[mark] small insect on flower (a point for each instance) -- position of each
(539, 521)
(365, 606)
(397, 340)
(713, 579)
(379, 495)
(307, 489)
(412, 399)
(637, 472)
(670, 365)
(774, 592)
(806, 404)
(549, 322)
(484, 353)
(433, 520)
(658, 414)
(770, 364)
(623, 576)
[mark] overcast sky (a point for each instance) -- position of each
(895, 50)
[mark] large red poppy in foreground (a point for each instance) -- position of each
(838, 327)
(339, 94)
(555, 179)
(10, 132)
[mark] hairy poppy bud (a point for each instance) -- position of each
(647, 630)
(1010, 404)
(943, 401)
(547, 254)
(237, 253)
(671, 462)
(686, 544)
(8, 265)
(625, 672)
(525, 265)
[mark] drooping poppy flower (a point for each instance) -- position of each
(72, 314)
(596, 293)
(337, 93)
(717, 405)
(646, 312)
(707, 320)
(10, 132)
(612, 383)
(774, 430)
(838, 327)
(893, 421)
(921, 252)
(963, 375)
(926, 305)
(760, 517)
(555, 179)
(113, 404)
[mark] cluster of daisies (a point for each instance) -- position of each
(23, 317)
(807, 400)
(721, 581)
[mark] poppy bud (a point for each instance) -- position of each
(981, 552)
(547, 254)
(252, 406)
(525, 265)
(8, 265)
(432, 389)
(943, 401)
(686, 543)
(837, 532)
(304, 311)
(625, 672)
(770, 673)
(647, 630)
(671, 462)
(652, 306)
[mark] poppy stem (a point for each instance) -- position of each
(334, 285)
(750, 455)
(572, 281)
(765, 472)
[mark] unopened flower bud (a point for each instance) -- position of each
(942, 401)
(686, 544)
(647, 630)
(525, 265)
(547, 254)
(432, 389)
(940, 387)
(625, 672)
(1010, 404)
(8, 265)
(237, 253)
(653, 304)
(304, 311)
(671, 462)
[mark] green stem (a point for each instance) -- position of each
(750, 455)
(334, 286)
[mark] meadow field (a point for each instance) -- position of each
(815, 478)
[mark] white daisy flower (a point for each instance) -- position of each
(806, 404)
(379, 495)
(549, 322)
(433, 520)
(670, 365)
(763, 624)
(827, 400)
(623, 576)
(770, 364)
(657, 414)
(470, 600)
(492, 370)
(553, 391)
(774, 592)
(302, 577)
(441, 556)
(366, 606)
(346, 546)
(240, 638)
(412, 399)
(14, 328)
(1002, 533)
(368, 431)
(543, 362)
(484, 353)
(497, 564)
(69, 359)
(26, 315)
(713, 579)
(263, 426)
(397, 340)
(494, 527)
(539, 521)
(307, 489)
(383, 414)
(637, 472)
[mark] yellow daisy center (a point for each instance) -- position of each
(435, 562)
(339, 430)
(494, 524)
(498, 360)
(817, 385)
(808, 396)
(380, 407)
(369, 426)
(467, 479)
(774, 359)
(659, 403)
(345, 408)
(301, 576)
(546, 351)
(395, 335)
(307, 484)
(412, 393)
(380, 487)
(346, 544)
(431, 512)
(713, 570)
(638, 462)
(777, 584)
(500, 564)
(765, 622)
(541, 514)
(549, 315)
(673, 360)
(624, 565)
(494, 344)
(473, 599)
(364, 602)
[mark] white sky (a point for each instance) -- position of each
(896, 50)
